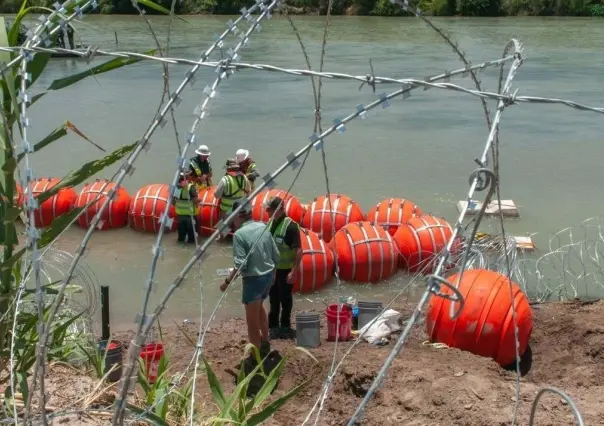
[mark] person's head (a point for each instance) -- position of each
(275, 208)
(243, 215)
(203, 152)
(182, 179)
(232, 166)
(241, 155)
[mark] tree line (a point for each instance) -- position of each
(360, 7)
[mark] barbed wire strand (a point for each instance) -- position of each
(127, 168)
(318, 127)
(497, 185)
(407, 7)
(563, 395)
(165, 65)
(136, 343)
(371, 81)
(434, 280)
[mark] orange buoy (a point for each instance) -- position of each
(209, 210)
(420, 240)
(366, 252)
(316, 267)
(52, 207)
(318, 216)
(293, 208)
(116, 213)
(147, 207)
(485, 325)
(392, 213)
(18, 196)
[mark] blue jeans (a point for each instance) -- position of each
(256, 288)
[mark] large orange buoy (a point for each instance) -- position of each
(485, 325)
(52, 207)
(392, 213)
(209, 210)
(147, 207)
(293, 208)
(366, 252)
(318, 216)
(116, 213)
(420, 240)
(316, 268)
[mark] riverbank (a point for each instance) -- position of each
(469, 8)
(426, 385)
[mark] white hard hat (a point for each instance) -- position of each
(203, 150)
(241, 155)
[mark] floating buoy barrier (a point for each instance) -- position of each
(508, 208)
(147, 207)
(52, 207)
(318, 215)
(293, 208)
(116, 214)
(316, 268)
(420, 240)
(485, 325)
(392, 213)
(209, 211)
(366, 252)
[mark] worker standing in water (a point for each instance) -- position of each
(255, 255)
(61, 39)
(248, 166)
(200, 167)
(232, 187)
(70, 32)
(185, 204)
(287, 237)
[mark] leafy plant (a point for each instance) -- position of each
(11, 203)
(162, 401)
(237, 408)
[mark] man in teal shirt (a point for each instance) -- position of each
(255, 255)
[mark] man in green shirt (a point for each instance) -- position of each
(255, 255)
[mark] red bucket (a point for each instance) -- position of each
(151, 354)
(345, 320)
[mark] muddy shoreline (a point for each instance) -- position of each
(430, 386)
(427, 385)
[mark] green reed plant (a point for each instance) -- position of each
(12, 269)
(162, 403)
(239, 409)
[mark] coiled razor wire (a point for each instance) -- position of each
(49, 27)
(574, 260)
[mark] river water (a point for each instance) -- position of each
(421, 148)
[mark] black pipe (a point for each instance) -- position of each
(105, 329)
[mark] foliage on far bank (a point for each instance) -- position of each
(361, 7)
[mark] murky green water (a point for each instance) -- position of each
(421, 148)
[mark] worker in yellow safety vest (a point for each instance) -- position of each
(232, 187)
(200, 168)
(287, 237)
(185, 203)
(247, 166)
